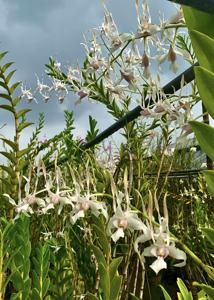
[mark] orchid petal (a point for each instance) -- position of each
(148, 251)
(158, 265)
(135, 223)
(178, 254)
(119, 233)
(75, 217)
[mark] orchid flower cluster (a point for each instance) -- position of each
(121, 64)
(56, 195)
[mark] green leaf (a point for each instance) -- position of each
(9, 76)
(99, 255)
(184, 291)
(22, 164)
(23, 152)
(24, 125)
(90, 296)
(9, 156)
(165, 293)
(16, 100)
(2, 84)
(209, 177)
(35, 294)
(9, 170)
(14, 86)
(204, 48)
(12, 144)
(114, 266)
(209, 233)
(205, 84)
(104, 281)
(103, 240)
(207, 289)
(7, 107)
(6, 66)
(23, 112)
(6, 183)
(2, 55)
(115, 287)
(5, 96)
(205, 136)
(198, 20)
(17, 280)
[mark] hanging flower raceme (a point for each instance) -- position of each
(123, 220)
(163, 244)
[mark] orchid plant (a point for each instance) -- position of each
(88, 226)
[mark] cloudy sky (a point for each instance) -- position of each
(34, 30)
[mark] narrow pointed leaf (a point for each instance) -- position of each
(99, 255)
(2, 54)
(6, 66)
(5, 96)
(205, 136)
(209, 177)
(209, 233)
(9, 76)
(204, 48)
(16, 100)
(12, 144)
(24, 125)
(207, 289)
(9, 156)
(184, 291)
(14, 86)
(3, 85)
(6, 183)
(205, 84)
(165, 293)
(103, 240)
(23, 152)
(23, 112)
(114, 266)
(7, 107)
(7, 169)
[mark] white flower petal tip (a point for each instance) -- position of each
(119, 233)
(158, 265)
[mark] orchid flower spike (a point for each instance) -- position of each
(163, 245)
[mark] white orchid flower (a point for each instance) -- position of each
(59, 197)
(25, 203)
(85, 202)
(20, 207)
(163, 245)
(122, 220)
(160, 249)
